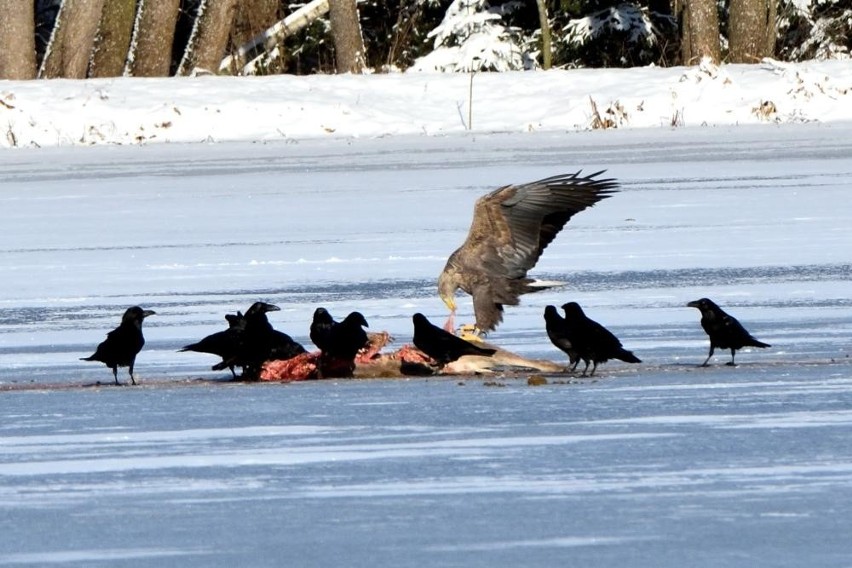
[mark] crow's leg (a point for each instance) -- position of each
(733, 353)
(704, 364)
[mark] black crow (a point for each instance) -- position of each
(321, 328)
(441, 345)
(122, 344)
(338, 341)
(558, 333)
(261, 342)
(341, 340)
(593, 341)
(346, 338)
(226, 344)
(724, 330)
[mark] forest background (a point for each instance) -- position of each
(159, 38)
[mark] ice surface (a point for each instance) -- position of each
(659, 464)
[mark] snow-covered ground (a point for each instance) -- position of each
(658, 464)
(137, 111)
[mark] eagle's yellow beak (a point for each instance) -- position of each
(450, 302)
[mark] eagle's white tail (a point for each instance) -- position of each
(545, 284)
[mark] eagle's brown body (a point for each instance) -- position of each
(511, 228)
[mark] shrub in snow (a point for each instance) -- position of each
(473, 37)
(621, 35)
(814, 29)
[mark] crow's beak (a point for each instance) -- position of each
(693, 304)
(272, 308)
(146, 313)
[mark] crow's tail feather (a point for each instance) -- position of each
(627, 356)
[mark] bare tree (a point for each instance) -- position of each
(209, 36)
(73, 38)
(153, 34)
(253, 17)
(751, 30)
(346, 30)
(265, 41)
(113, 40)
(771, 27)
(546, 49)
(17, 40)
(699, 24)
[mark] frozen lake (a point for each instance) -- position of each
(659, 464)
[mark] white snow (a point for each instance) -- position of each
(209, 108)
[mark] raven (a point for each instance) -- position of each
(558, 333)
(593, 341)
(321, 328)
(122, 344)
(441, 345)
(724, 330)
(261, 342)
(339, 342)
(346, 338)
(226, 344)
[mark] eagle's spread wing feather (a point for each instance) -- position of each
(539, 210)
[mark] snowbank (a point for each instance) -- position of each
(212, 109)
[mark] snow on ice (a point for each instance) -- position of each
(216, 109)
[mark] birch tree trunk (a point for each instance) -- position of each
(113, 40)
(73, 38)
(17, 40)
(153, 36)
(209, 36)
(346, 30)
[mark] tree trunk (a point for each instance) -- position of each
(73, 38)
(17, 40)
(546, 50)
(209, 37)
(750, 29)
(747, 31)
(268, 38)
(253, 17)
(771, 28)
(678, 10)
(113, 40)
(700, 31)
(346, 30)
(153, 35)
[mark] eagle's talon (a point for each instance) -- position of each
(469, 332)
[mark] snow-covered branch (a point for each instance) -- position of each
(270, 37)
